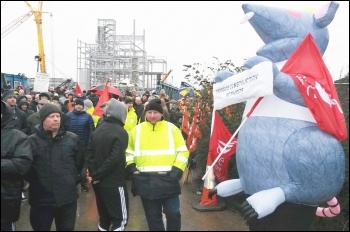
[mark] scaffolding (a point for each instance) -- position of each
(117, 58)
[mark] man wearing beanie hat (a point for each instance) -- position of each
(89, 108)
(88, 104)
(155, 104)
(82, 124)
(54, 174)
(16, 159)
(79, 101)
(156, 158)
(106, 164)
(19, 117)
(7, 94)
(48, 109)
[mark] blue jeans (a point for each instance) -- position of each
(154, 209)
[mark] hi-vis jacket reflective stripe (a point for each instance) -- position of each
(156, 148)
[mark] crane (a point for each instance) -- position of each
(14, 24)
(166, 75)
(160, 81)
(38, 19)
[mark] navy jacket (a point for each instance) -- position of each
(81, 124)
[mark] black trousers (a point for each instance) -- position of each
(112, 206)
(154, 209)
(41, 217)
(82, 165)
(8, 226)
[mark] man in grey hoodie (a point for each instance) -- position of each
(106, 165)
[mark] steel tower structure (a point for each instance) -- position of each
(117, 58)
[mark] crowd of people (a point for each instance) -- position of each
(52, 144)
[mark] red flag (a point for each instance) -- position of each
(103, 98)
(218, 139)
(185, 123)
(315, 84)
(78, 90)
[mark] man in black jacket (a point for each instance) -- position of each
(16, 159)
(19, 118)
(53, 176)
(106, 164)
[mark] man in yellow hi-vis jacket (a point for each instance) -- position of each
(156, 157)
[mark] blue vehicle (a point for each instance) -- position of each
(14, 81)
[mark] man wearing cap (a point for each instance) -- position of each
(16, 159)
(19, 117)
(82, 124)
(156, 157)
(53, 176)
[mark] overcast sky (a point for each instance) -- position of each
(180, 32)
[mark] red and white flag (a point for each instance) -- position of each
(315, 84)
(194, 131)
(218, 139)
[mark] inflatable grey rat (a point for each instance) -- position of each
(288, 164)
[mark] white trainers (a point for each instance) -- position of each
(24, 198)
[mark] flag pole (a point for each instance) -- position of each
(212, 121)
(232, 137)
